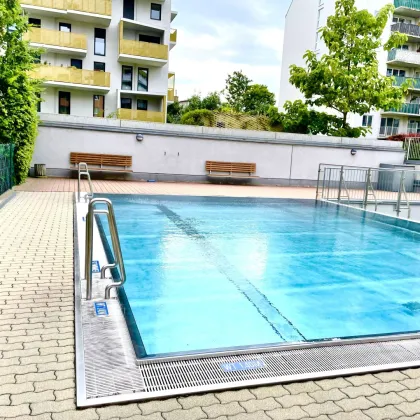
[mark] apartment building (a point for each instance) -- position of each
(104, 58)
(304, 20)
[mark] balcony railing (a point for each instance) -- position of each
(48, 4)
(72, 76)
(410, 57)
(415, 82)
(97, 7)
(140, 48)
(147, 116)
(174, 35)
(57, 38)
(406, 28)
(171, 95)
(388, 131)
(407, 109)
(409, 4)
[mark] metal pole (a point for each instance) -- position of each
(317, 183)
(329, 182)
(89, 251)
(409, 149)
(398, 209)
(365, 201)
(340, 185)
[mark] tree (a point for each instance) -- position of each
(347, 79)
(174, 113)
(237, 84)
(258, 99)
(18, 93)
(212, 101)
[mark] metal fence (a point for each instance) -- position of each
(6, 167)
(369, 187)
(412, 148)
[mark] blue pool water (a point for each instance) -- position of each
(211, 273)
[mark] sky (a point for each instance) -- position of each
(218, 37)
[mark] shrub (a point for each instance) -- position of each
(200, 117)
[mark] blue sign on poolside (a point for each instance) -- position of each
(96, 267)
(245, 365)
(101, 309)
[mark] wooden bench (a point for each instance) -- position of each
(231, 169)
(102, 162)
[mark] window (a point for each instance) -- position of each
(367, 120)
(403, 47)
(400, 20)
(97, 66)
(143, 80)
(100, 41)
(389, 126)
(126, 103)
(149, 38)
(127, 78)
(413, 127)
(37, 59)
(64, 27)
(156, 11)
(395, 72)
(35, 22)
(98, 105)
(142, 104)
(128, 9)
(64, 103)
(75, 62)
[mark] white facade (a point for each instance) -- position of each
(132, 34)
(312, 15)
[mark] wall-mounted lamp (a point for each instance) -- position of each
(139, 137)
(353, 152)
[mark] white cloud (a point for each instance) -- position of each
(203, 60)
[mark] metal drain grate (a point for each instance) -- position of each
(278, 366)
(110, 362)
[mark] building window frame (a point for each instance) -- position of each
(124, 81)
(155, 11)
(64, 109)
(145, 103)
(140, 87)
(97, 64)
(65, 26)
(99, 49)
(367, 120)
(128, 105)
(76, 62)
(101, 111)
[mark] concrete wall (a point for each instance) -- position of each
(176, 152)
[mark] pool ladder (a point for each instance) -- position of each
(83, 170)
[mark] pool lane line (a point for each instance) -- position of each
(258, 299)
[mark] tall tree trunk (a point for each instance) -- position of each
(345, 119)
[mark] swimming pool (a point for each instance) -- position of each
(205, 274)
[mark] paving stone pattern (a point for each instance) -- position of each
(37, 344)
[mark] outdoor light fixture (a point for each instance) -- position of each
(353, 152)
(139, 137)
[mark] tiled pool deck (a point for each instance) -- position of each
(37, 329)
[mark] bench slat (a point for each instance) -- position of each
(232, 167)
(100, 159)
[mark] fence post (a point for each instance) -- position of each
(365, 200)
(398, 209)
(329, 182)
(317, 183)
(11, 166)
(340, 185)
(409, 149)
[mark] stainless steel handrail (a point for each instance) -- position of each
(84, 170)
(119, 261)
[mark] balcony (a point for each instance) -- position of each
(409, 109)
(407, 7)
(404, 58)
(57, 41)
(146, 116)
(173, 38)
(171, 87)
(388, 131)
(92, 11)
(415, 82)
(69, 77)
(138, 52)
(412, 31)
